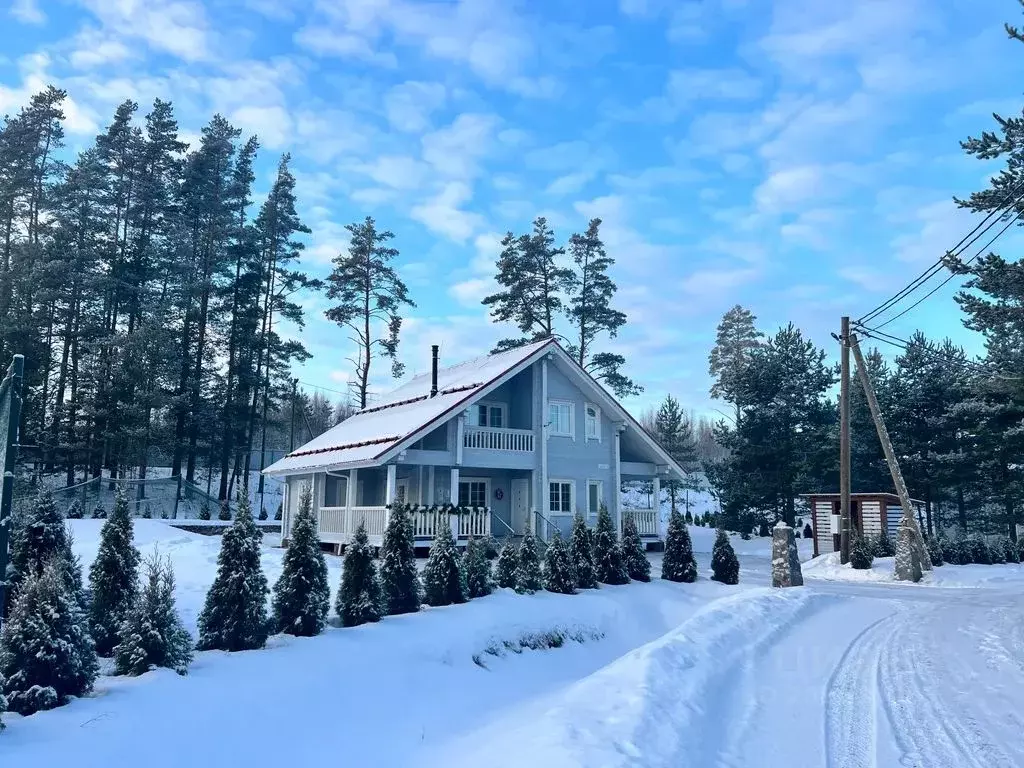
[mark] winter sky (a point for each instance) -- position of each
(795, 156)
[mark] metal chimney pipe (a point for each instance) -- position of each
(433, 370)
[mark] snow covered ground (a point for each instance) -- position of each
(840, 673)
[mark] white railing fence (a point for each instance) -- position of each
(338, 524)
(646, 521)
(493, 439)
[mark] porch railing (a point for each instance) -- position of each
(494, 439)
(338, 524)
(476, 524)
(646, 521)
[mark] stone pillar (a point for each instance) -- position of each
(908, 558)
(785, 558)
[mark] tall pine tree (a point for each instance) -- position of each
(678, 563)
(608, 565)
(113, 577)
(359, 597)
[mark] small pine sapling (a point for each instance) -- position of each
(607, 551)
(400, 583)
(528, 576)
(225, 509)
(558, 572)
(935, 550)
(75, 510)
(689, 518)
(359, 597)
(302, 593)
(882, 545)
(152, 635)
(505, 568)
(581, 553)
(808, 531)
(147, 512)
(634, 556)
(39, 534)
(1010, 550)
(99, 513)
(113, 576)
(678, 563)
(862, 553)
(725, 567)
(444, 578)
(204, 511)
(280, 510)
(479, 581)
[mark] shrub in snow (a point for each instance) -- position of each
(634, 556)
(359, 598)
(608, 564)
(505, 568)
(678, 563)
(234, 616)
(808, 531)
(996, 552)
(75, 510)
(3, 703)
(444, 580)
(399, 581)
(689, 518)
(38, 536)
(99, 513)
(558, 572)
(528, 578)
(152, 635)
(935, 550)
(1010, 550)
(479, 581)
(862, 553)
(113, 576)
(46, 654)
(979, 551)
(581, 553)
(1020, 550)
(725, 567)
(204, 511)
(745, 534)
(163, 514)
(764, 529)
(490, 545)
(147, 513)
(302, 594)
(225, 508)
(882, 545)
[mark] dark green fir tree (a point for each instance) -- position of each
(39, 534)
(359, 597)
(558, 571)
(581, 553)
(528, 576)
(608, 565)
(808, 531)
(444, 578)
(505, 568)
(862, 553)
(479, 580)
(113, 577)
(883, 546)
(634, 556)
(152, 635)
(725, 567)
(678, 563)
(400, 583)
(302, 594)
(935, 548)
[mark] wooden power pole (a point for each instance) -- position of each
(844, 443)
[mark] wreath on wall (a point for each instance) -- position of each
(499, 494)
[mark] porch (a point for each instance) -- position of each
(337, 525)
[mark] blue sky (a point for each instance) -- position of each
(795, 156)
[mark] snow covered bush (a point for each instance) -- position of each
(234, 615)
(725, 566)
(152, 635)
(678, 563)
(225, 508)
(581, 553)
(688, 517)
(935, 550)
(113, 577)
(1010, 550)
(1020, 550)
(979, 552)
(634, 556)
(996, 552)
(479, 581)
(505, 568)
(147, 513)
(99, 513)
(46, 653)
(808, 531)
(204, 511)
(302, 594)
(359, 597)
(399, 581)
(558, 572)
(528, 578)
(39, 535)
(608, 564)
(882, 545)
(764, 529)
(75, 510)
(444, 580)
(862, 552)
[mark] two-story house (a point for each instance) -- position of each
(523, 438)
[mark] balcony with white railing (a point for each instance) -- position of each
(497, 439)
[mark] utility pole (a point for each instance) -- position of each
(844, 443)
(291, 440)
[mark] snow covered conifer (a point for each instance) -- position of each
(39, 534)
(1020, 549)
(725, 566)
(234, 616)
(399, 581)
(113, 577)
(99, 513)
(935, 548)
(581, 553)
(978, 549)
(1010, 550)
(479, 581)
(444, 578)
(882, 545)
(608, 564)
(302, 595)
(808, 531)
(678, 563)
(75, 510)
(225, 508)
(689, 518)
(634, 557)
(359, 598)
(46, 654)
(862, 553)
(152, 635)
(558, 572)
(528, 576)
(204, 511)
(505, 568)
(996, 552)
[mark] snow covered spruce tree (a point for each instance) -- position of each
(99, 513)
(359, 597)
(234, 616)
(46, 653)
(444, 578)
(581, 552)
(479, 581)
(225, 508)
(634, 556)
(152, 635)
(75, 510)
(882, 545)
(935, 550)
(862, 553)
(528, 576)
(608, 564)
(505, 569)
(1010, 548)
(996, 552)
(302, 595)
(39, 534)
(113, 577)
(558, 571)
(678, 563)
(808, 531)
(399, 581)
(725, 567)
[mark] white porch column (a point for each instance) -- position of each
(350, 498)
(392, 481)
(454, 490)
(657, 498)
(453, 520)
(431, 495)
(460, 431)
(617, 490)
(545, 493)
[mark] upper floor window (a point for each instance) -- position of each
(487, 415)
(593, 422)
(560, 418)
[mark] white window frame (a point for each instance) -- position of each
(487, 485)
(600, 496)
(473, 414)
(402, 483)
(597, 423)
(572, 495)
(572, 419)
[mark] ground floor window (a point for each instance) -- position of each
(595, 494)
(474, 492)
(560, 496)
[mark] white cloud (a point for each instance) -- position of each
(93, 48)
(570, 184)
(324, 42)
(27, 12)
(272, 124)
(444, 213)
(178, 27)
(395, 171)
(456, 150)
(409, 106)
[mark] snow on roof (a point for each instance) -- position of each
(371, 432)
